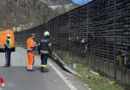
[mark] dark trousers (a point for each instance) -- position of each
(44, 59)
(8, 57)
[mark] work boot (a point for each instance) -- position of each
(42, 69)
(45, 70)
(6, 66)
(30, 70)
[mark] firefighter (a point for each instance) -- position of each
(45, 50)
(8, 45)
(30, 52)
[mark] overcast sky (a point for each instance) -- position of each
(81, 2)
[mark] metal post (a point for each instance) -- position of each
(87, 34)
(115, 38)
(69, 32)
(57, 42)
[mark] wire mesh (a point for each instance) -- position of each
(88, 30)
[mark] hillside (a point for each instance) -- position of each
(56, 2)
(30, 13)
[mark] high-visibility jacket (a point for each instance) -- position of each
(9, 43)
(30, 45)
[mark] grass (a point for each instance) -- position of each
(95, 81)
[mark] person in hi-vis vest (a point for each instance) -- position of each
(30, 52)
(8, 45)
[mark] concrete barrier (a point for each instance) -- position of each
(111, 70)
(122, 74)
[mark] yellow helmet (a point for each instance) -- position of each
(46, 33)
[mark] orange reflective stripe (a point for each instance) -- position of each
(29, 65)
(29, 49)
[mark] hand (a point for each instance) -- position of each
(35, 44)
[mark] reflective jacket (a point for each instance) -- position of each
(9, 43)
(30, 45)
(45, 46)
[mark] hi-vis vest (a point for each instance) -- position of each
(10, 43)
(30, 44)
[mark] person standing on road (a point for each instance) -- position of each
(30, 52)
(45, 50)
(8, 45)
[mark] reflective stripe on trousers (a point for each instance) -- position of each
(43, 65)
(44, 60)
(44, 52)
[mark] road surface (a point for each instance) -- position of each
(17, 78)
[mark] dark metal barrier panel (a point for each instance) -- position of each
(89, 30)
(101, 29)
(21, 37)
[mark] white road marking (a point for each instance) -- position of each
(69, 84)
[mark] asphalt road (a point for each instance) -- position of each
(17, 78)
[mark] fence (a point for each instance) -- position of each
(99, 29)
